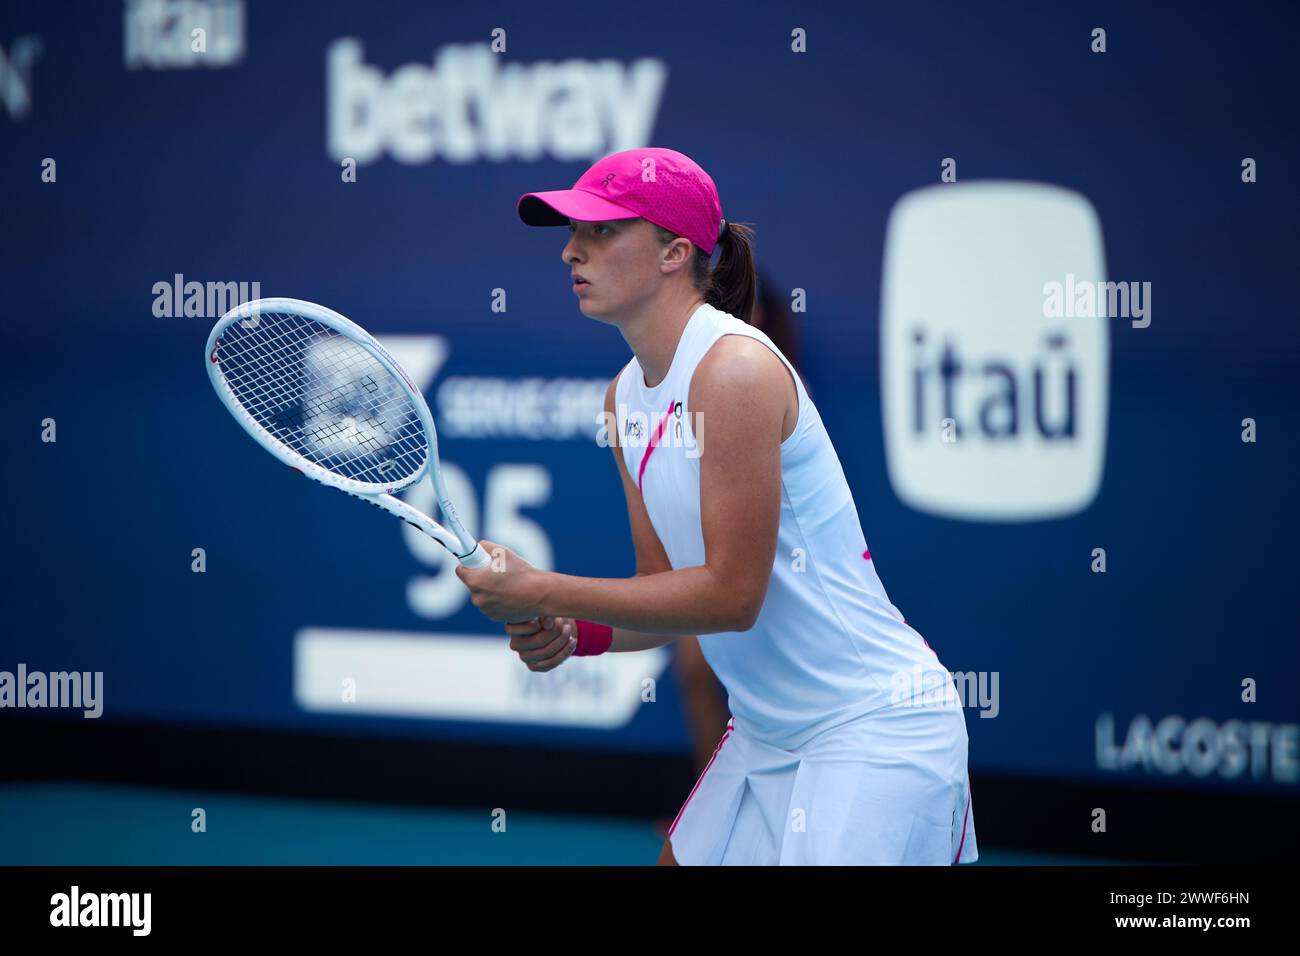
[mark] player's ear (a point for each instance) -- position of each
(676, 255)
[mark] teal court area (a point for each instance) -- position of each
(82, 824)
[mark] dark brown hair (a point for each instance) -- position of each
(772, 315)
(730, 285)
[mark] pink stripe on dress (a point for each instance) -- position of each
(701, 780)
(654, 442)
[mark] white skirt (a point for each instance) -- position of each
(887, 789)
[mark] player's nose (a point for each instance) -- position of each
(571, 254)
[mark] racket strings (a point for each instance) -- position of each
(323, 396)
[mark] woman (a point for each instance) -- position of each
(839, 749)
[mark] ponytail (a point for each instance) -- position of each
(730, 285)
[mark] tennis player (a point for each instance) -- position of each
(847, 743)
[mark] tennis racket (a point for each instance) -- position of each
(320, 394)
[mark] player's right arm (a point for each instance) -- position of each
(543, 648)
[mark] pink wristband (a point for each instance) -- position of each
(593, 639)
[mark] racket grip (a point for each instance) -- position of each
(477, 558)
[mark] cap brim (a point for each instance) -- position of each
(558, 206)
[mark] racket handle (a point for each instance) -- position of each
(477, 558)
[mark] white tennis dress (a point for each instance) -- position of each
(847, 744)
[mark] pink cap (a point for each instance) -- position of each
(661, 185)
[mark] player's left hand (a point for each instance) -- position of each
(508, 589)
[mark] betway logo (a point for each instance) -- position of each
(468, 107)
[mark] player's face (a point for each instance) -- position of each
(620, 261)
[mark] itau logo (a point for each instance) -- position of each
(992, 410)
(182, 34)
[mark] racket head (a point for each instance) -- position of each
(322, 395)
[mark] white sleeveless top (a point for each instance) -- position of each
(828, 646)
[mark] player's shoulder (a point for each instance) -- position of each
(737, 360)
(740, 383)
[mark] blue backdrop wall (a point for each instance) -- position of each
(228, 166)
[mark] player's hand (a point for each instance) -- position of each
(508, 589)
(544, 643)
